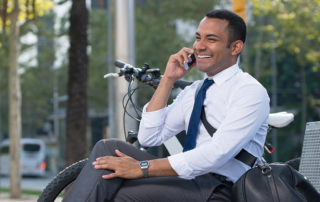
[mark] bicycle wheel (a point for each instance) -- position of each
(61, 181)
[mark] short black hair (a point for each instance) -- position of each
(236, 27)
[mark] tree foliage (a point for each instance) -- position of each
(29, 10)
(292, 29)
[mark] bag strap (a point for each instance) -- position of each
(246, 158)
(210, 129)
(243, 156)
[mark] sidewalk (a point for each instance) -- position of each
(27, 183)
(4, 197)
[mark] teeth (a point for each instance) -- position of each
(204, 56)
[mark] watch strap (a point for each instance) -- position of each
(144, 165)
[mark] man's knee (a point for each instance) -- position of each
(107, 142)
(106, 146)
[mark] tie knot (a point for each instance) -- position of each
(207, 83)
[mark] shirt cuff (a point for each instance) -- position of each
(154, 118)
(180, 166)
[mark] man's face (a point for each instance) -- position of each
(211, 46)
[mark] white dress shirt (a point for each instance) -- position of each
(237, 105)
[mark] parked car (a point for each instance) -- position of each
(32, 157)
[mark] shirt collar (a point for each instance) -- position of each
(225, 74)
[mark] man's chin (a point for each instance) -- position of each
(203, 67)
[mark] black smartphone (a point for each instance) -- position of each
(191, 60)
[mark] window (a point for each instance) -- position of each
(31, 147)
(4, 150)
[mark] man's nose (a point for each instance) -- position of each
(199, 45)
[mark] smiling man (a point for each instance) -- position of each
(234, 103)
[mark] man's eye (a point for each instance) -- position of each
(212, 40)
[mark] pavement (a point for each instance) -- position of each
(4, 197)
(27, 183)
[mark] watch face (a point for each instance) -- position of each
(144, 164)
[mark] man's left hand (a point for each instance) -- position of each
(123, 166)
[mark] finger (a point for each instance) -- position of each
(109, 176)
(182, 56)
(185, 59)
(102, 158)
(103, 166)
(182, 59)
(119, 153)
(187, 52)
(101, 161)
(107, 158)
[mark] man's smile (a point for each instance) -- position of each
(204, 56)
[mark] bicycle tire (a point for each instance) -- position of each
(61, 181)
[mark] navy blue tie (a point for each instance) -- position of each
(195, 116)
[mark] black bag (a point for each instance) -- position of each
(274, 183)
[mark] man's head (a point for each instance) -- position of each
(237, 28)
(219, 40)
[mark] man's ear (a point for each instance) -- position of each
(236, 47)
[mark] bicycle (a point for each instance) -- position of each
(150, 77)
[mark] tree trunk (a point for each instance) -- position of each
(14, 105)
(76, 121)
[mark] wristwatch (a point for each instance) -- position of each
(144, 165)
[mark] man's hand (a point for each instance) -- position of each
(123, 166)
(175, 68)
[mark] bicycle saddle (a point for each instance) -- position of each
(280, 119)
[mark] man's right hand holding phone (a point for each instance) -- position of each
(174, 70)
(176, 66)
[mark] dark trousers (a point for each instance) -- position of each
(89, 185)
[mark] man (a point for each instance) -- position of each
(234, 103)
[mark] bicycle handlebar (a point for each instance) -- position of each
(120, 64)
(145, 75)
(182, 84)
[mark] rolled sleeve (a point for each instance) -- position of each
(154, 118)
(158, 126)
(180, 166)
(150, 126)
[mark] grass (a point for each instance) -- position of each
(23, 191)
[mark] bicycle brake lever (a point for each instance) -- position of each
(111, 75)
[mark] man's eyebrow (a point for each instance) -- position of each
(208, 35)
(212, 35)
